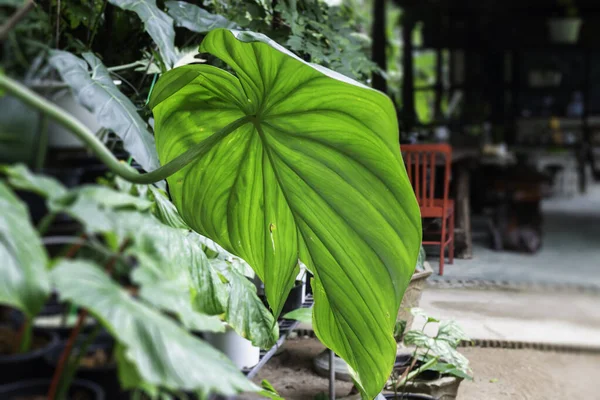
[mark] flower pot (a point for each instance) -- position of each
(52, 320)
(239, 350)
(393, 396)
(295, 298)
(31, 389)
(61, 137)
(564, 30)
(97, 366)
(412, 295)
(14, 367)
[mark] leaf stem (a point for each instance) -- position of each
(416, 372)
(65, 355)
(74, 364)
(97, 147)
(25, 336)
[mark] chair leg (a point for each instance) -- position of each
(443, 246)
(451, 244)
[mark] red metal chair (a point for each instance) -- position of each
(421, 161)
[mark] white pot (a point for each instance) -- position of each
(564, 30)
(239, 350)
(58, 136)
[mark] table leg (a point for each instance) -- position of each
(462, 231)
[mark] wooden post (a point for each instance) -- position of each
(408, 82)
(378, 49)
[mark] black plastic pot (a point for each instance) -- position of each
(52, 308)
(28, 365)
(294, 299)
(408, 396)
(62, 332)
(80, 390)
(105, 376)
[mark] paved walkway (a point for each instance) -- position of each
(570, 254)
(561, 318)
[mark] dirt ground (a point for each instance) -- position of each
(499, 374)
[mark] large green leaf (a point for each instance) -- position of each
(163, 354)
(313, 172)
(196, 19)
(20, 177)
(23, 277)
(96, 91)
(157, 23)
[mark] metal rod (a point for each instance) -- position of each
(331, 375)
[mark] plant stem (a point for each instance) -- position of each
(42, 144)
(125, 66)
(74, 364)
(15, 19)
(65, 355)
(45, 223)
(97, 147)
(416, 372)
(24, 336)
(74, 333)
(96, 25)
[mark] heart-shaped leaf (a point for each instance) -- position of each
(300, 163)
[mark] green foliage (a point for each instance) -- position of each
(245, 311)
(329, 36)
(113, 110)
(155, 352)
(315, 178)
(24, 283)
(158, 25)
(442, 346)
(196, 19)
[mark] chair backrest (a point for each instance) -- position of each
(421, 161)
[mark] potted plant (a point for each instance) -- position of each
(127, 219)
(434, 367)
(565, 29)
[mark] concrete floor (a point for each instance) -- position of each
(564, 318)
(570, 254)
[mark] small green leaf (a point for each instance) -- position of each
(24, 280)
(451, 332)
(269, 391)
(165, 210)
(161, 353)
(303, 314)
(196, 19)
(419, 312)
